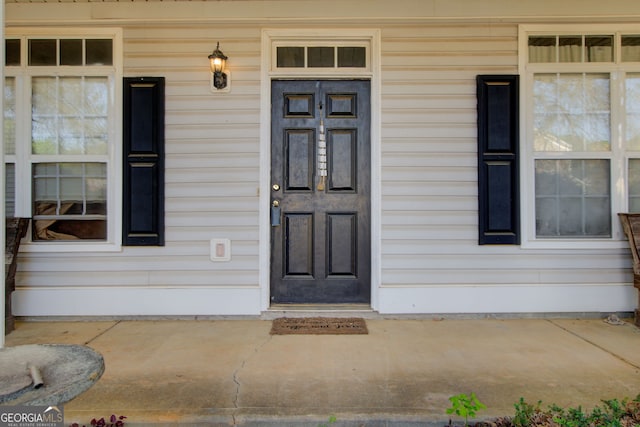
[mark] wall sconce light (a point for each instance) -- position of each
(220, 80)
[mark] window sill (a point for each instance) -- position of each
(575, 244)
(61, 247)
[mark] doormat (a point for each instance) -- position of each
(319, 326)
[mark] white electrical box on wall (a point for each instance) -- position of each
(220, 249)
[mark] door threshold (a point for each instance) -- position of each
(319, 310)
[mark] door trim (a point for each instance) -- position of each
(268, 36)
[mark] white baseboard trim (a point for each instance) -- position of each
(508, 299)
(119, 301)
(197, 301)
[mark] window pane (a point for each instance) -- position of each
(42, 52)
(631, 48)
(44, 95)
(290, 57)
(96, 99)
(321, 57)
(598, 48)
(571, 112)
(70, 115)
(355, 57)
(12, 52)
(632, 99)
(61, 183)
(634, 185)
(70, 52)
(10, 115)
(69, 201)
(570, 48)
(71, 140)
(70, 101)
(99, 52)
(542, 49)
(96, 135)
(44, 128)
(572, 198)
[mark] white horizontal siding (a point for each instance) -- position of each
(211, 175)
(429, 171)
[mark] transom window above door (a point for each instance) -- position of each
(307, 53)
(321, 57)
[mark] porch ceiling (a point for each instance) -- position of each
(122, 1)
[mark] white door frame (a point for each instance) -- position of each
(268, 72)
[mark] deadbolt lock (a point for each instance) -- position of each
(275, 187)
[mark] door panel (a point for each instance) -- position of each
(320, 240)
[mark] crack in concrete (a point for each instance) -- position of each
(103, 332)
(588, 341)
(236, 377)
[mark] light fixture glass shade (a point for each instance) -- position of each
(219, 73)
(217, 60)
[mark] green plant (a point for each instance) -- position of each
(572, 417)
(465, 406)
(525, 413)
(612, 413)
(332, 419)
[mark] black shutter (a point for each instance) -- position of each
(143, 148)
(498, 183)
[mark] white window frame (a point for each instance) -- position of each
(272, 39)
(22, 157)
(335, 44)
(616, 71)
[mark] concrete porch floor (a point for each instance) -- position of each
(233, 372)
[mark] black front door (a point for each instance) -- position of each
(320, 233)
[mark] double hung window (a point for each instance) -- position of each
(581, 139)
(61, 134)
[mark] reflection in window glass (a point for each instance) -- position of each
(321, 57)
(290, 57)
(9, 115)
(632, 100)
(631, 48)
(69, 115)
(572, 198)
(571, 112)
